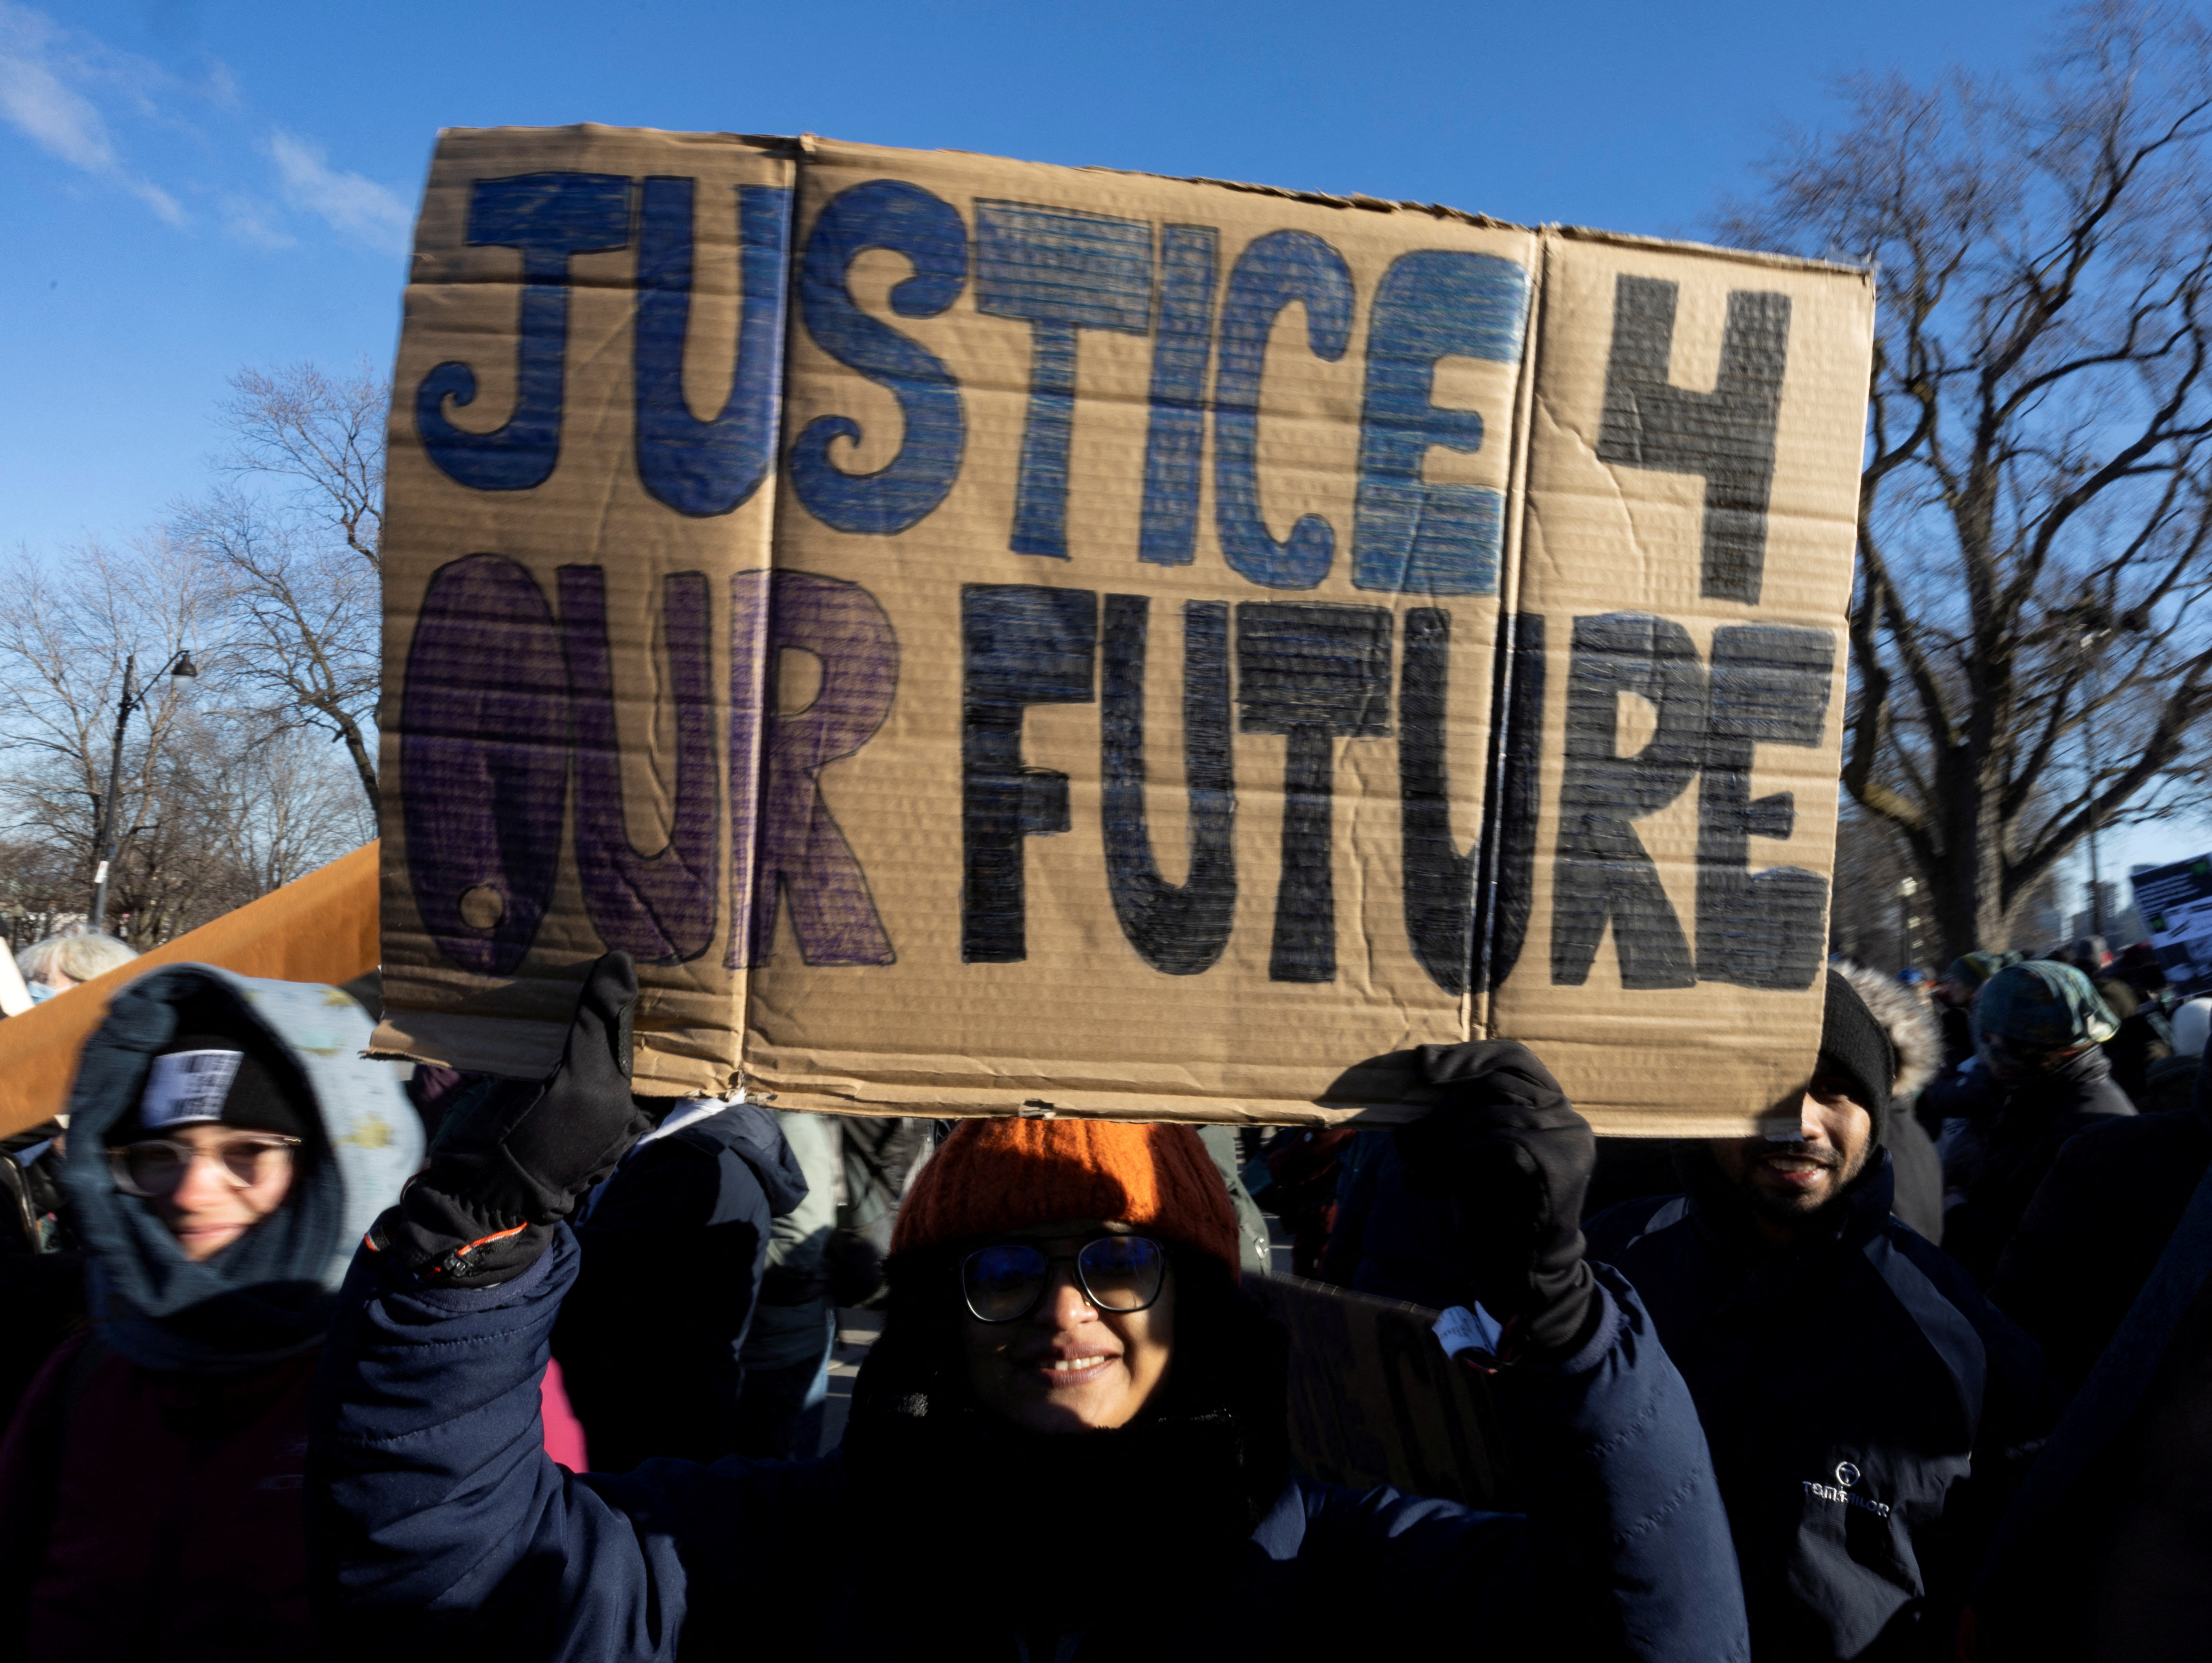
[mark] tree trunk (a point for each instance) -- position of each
(364, 765)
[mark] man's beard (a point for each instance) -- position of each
(1793, 1209)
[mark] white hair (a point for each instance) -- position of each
(80, 956)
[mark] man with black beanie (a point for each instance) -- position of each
(1864, 1405)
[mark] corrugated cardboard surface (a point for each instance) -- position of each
(321, 928)
(1710, 1023)
(1080, 1019)
(521, 565)
(1103, 688)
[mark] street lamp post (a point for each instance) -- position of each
(105, 842)
(1907, 889)
(2090, 642)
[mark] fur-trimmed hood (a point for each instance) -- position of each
(1908, 1021)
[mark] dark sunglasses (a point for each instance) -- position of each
(1004, 1282)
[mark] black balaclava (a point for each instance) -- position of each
(1856, 1048)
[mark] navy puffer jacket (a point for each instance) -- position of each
(443, 1530)
(1868, 1411)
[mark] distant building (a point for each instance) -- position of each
(2037, 921)
(2123, 924)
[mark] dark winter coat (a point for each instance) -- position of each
(444, 1533)
(674, 1247)
(151, 1500)
(1859, 1395)
(2017, 1132)
(2143, 1039)
(162, 1511)
(1917, 1172)
(2097, 1223)
(2106, 1556)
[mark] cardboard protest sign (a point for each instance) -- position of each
(1069, 672)
(2175, 903)
(579, 501)
(1692, 491)
(320, 927)
(1374, 1399)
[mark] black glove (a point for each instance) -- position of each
(1504, 1143)
(516, 1158)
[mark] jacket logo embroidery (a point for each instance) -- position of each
(1847, 1476)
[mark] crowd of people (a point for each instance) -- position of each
(314, 1356)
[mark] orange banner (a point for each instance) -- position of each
(321, 929)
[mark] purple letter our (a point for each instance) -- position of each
(660, 908)
(483, 754)
(796, 848)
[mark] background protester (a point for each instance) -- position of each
(1071, 1438)
(1304, 1165)
(60, 962)
(2041, 1077)
(228, 1148)
(2107, 1556)
(785, 1359)
(878, 1154)
(41, 1267)
(2171, 1084)
(1860, 1399)
(2130, 986)
(1254, 1248)
(2097, 1223)
(1910, 1024)
(1954, 995)
(674, 1244)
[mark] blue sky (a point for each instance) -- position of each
(194, 185)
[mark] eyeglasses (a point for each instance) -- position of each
(156, 1166)
(1005, 1282)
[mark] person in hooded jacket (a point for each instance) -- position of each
(651, 1338)
(2041, 1076)
(1860, 1397)
(225, 1147)
(1070, 1442)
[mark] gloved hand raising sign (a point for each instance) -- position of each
(518, 1154)
(1504, 1143)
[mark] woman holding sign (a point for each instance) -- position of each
(1069, 1444)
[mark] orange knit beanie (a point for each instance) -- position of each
(1007, 1174)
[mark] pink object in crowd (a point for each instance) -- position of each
(564, 1433)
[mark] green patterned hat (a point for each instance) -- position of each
(1976, 968)
(2044, 1006)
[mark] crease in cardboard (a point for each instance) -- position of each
(1014, 978)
